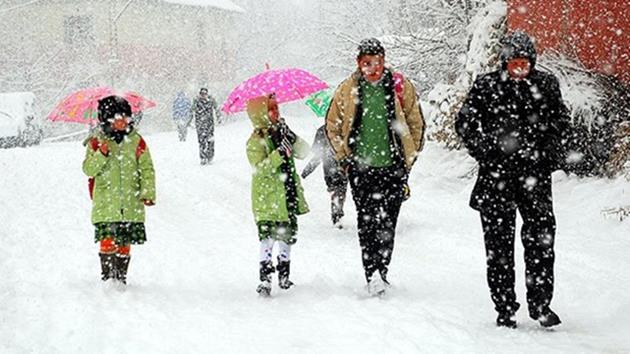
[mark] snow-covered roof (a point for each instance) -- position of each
(220, 4)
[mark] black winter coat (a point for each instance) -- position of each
(204, 112)
(517, 132)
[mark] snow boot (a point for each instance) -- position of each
(266, 268)
(122, 265)
(506, 318)
(107, 266)
(546, 317)
(284, 268)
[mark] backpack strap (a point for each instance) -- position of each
(142, 146)
(94, 143)
(399, 85)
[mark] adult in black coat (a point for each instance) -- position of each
(204, 111)
(514, 123)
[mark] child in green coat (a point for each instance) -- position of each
(122, 182)
(277, 195)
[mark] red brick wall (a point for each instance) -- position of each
(595, 32)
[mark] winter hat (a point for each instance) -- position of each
(110, 106)
(518, 45)
(203, 90)
(370, 46)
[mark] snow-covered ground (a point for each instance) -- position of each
(192, 286)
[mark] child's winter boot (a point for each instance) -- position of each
(284, 268)
(122, 265)
(107, 265)
(266, 268)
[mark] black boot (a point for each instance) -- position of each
(107, 266)
(546, 317)
(266, 268)
(506, 318)
(336, 220)
(284, 268)
(122, 265)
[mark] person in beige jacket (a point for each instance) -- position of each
(376, 128)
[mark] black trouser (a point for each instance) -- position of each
(537, 234)
(377, 194)
(205, 135)
(337, 200)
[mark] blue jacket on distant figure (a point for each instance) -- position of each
(181, 107)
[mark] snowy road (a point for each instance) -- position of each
(192, 286)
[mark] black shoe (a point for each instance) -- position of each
(284, 268)
(547, 318)
(506, 318)
(107, 266)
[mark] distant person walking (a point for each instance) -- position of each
(181, 114)
(205, 111)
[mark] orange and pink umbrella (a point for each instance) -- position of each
(82, 106)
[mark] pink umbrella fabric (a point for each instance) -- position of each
(287, 84)
(82, 106)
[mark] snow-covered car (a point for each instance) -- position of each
(20, 122)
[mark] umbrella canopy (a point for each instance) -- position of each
(82, 106)
(287, 84)
(319, 102)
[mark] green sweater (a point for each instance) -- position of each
(373, 145)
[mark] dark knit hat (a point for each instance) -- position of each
(109, 106)
(370, 46)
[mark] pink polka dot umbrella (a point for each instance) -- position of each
(287, 84)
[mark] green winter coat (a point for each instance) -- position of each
(269, 202)
(121, 180)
